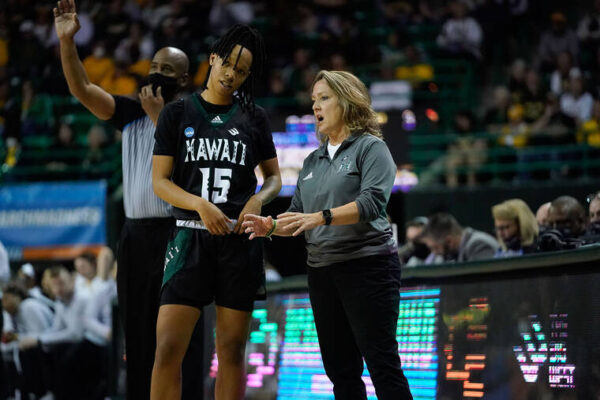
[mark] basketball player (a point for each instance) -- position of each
(207, 148)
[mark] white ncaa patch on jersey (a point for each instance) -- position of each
(188, 132)
(234, 131)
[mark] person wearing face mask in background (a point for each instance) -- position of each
(566, 222)
(516, 228)
(445, 237)
(149, 219)
(594, 214)
(414, 252)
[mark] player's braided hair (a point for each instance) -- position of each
(252, 40)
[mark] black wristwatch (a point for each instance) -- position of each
(327, 216)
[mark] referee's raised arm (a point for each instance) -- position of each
(93, 97)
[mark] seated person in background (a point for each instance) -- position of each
(64, 335)
(461, 34)
(26, 275)
(414, 252)
(466, 151)
(67, 326)
(29, 316)
(85, 277)
(589, 132)
(98, 328)
(594, 210)
(576, 102)
(445, 237)
(516, 228)
(567, 222)
(541, 215)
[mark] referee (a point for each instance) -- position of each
(148, 221)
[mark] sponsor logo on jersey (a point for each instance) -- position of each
(307, 177)
(234, 131)
(189, 132)
(217, 120)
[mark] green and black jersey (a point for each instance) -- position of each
(215, 154)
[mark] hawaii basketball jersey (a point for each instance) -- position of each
(214, 155)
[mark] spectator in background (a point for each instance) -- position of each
(27, 53)
(30, 317)
(225, 13)
(497, 115)
(589, 132)
(67, 330)
(414, 252)
(594, 213)
(467, 151)
(588, 29)
(414, 69)
(567, 216)
(98, 327)
(560, 38)
(516, 132)
(541, 215)
(516, 78)
(445, 237)
(98, 65)
(516, 228)
(461, 35)
(576, 103)
(120, 83)
(533, 98)
(138, 39)
(559, 79)
(86, 280)
(26, 275)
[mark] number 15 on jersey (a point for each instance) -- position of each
(220, 187)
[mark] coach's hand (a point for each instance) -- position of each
(253, 206)
(152, 104)
(213, 218)
(66, 22)
(299, 222)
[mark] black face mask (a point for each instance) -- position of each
(169, 86)
(421, 251)
(513, 243)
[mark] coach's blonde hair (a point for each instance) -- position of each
(355, 101)
(516, 209)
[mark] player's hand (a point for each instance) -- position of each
(213, 218)
(299, 222)
(253, 206)
(256, 225)
(65, 19)
(151, 104)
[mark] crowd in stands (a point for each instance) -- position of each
(57, 326)
(561, 224)
(542, 71)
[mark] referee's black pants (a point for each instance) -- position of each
(141, 260)
(355, 306)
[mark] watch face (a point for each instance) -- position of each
(327, 216)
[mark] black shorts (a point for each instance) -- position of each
(200, 268)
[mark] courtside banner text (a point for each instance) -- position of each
(52, 220)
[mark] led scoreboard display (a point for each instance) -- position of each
(496, 339)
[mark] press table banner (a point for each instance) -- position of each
(52, 220)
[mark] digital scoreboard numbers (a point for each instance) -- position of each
(301, 373)
(546, 347)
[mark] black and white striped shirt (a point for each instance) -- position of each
(138, 142)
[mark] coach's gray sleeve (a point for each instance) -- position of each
(377, 173)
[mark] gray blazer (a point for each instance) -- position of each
(476, 245)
